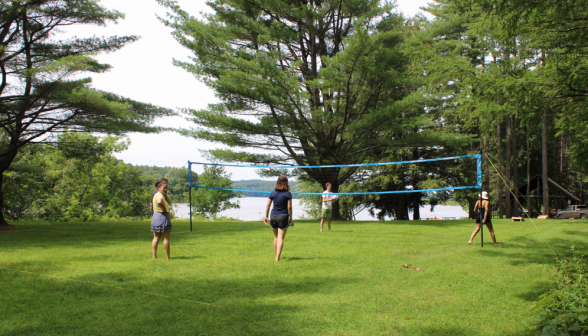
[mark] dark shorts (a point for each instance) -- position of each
(280, 222)
(161, 222)
(478, 221)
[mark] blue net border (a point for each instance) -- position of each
(343, 194)
(477, 156)
(477, 186)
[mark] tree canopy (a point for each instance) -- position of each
(40, 96)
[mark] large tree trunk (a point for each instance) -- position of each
(5, 162)
(545, 175)
(515, 168)
(400, 207)
(499, 154)
(336, 212)
(529, 208)
(508, 168)
(416, 211)
(486, 149)
(471, 213)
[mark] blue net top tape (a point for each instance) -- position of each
(342, 166)
(354, 193)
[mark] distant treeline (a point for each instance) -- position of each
(178, 182)
(259, 185)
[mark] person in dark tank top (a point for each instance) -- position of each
(484, 218)
(281, 215)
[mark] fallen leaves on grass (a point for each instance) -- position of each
(414, 269)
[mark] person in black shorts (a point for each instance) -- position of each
(281, 216)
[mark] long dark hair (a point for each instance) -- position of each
(161, 181)
(282, 184)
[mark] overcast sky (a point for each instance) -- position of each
(143, 71)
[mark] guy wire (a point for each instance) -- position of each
(516, 198)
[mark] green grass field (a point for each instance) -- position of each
(99, 278)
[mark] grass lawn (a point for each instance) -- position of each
(346, 282)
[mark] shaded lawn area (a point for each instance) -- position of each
(346, 282)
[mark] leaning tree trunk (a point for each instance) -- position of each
(499, 154)
(545, 175)
(508, 168)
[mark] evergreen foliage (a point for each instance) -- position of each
(40, 95)
(314, 83)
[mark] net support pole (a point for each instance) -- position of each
(479, 184)
(190, 191)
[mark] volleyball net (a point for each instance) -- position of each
(381, 178)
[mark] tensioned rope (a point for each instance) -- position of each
(516, 198)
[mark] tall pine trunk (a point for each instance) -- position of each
(499, 154)
(416, 214)
(486, 150)
(544, 167)
(529, 209)
(515, 167)
(5, 162)
(336, 208)
(508, 168)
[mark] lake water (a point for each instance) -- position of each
(253, 209)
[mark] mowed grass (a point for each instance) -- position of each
(99, 278)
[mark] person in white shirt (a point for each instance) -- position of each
(327, 209)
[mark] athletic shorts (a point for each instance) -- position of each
(327, 213)
(280, 222)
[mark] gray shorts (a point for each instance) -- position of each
(161, 222)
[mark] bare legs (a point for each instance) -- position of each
(490, 228)
(279, 236)
(478, 226)
(328, 223)
(156, 237)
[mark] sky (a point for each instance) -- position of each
(143, 71)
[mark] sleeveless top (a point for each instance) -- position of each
(480, 219)
(160, 207)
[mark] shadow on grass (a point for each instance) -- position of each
(253, 306)
(534, 294)
(297, 258)
(523, 250)
(88, 235)
(188, 257)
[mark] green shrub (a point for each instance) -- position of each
(564, 309)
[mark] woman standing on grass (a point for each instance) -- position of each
(160, 223)
(484, 217)
(281, 216)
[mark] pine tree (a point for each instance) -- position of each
(39, 95)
